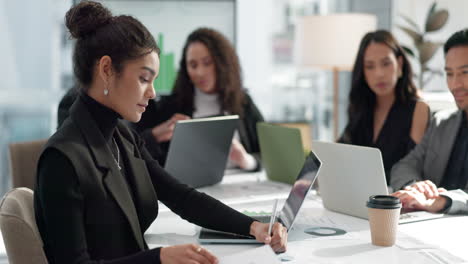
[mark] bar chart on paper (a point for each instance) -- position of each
(167, 71)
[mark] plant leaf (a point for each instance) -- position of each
(437, 20)
(427, 80)
(426, 68)
(431, 10)
(411, 23)
(417, 38)
(434, 71)
(408, 51)
(440, 73)
(427, 51)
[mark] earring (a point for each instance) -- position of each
(400, 73)
(106, 92)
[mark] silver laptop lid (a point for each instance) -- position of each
(349, 175)
(199, 149)
(299, 190)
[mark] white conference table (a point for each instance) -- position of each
(434, 241)
(439, 241)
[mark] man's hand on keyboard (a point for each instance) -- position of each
(412, 198)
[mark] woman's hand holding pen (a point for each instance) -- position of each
(163, 132)
(277, 239)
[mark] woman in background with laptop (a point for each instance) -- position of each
(385, 110)
(97, 187)
(208, 84)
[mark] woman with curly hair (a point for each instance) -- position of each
(208, 84)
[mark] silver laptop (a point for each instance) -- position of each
(199, 149)
(349, 175)
(287, 215)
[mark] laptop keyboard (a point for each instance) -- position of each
(417, 216)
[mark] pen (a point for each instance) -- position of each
(273, 216)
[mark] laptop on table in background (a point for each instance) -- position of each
(349, 175)
(281, 150)
(199, 149)
(287, 215)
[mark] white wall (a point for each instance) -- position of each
(8, 67)
(31, 32)
(254, 32)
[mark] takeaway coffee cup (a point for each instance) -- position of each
(384, 212)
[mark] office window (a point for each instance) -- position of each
(30, 73)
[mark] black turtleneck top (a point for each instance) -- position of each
(57, 172)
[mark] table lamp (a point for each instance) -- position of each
(331, 42)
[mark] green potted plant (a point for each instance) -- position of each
(424, 49)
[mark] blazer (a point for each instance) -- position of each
(159, 111)
(428, 160)
(97, 215)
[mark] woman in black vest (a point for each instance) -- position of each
(208, 84)
(97, 186)
(384, 110)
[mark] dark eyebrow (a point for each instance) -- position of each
(460, 67)
(149, 69)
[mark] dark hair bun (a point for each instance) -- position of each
(85, 17)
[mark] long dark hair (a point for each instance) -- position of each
(227, 68)
(362, 99)
(99, 33)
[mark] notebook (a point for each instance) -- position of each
(287, 215)
(199, 149)
(281, 150)
(349, 175)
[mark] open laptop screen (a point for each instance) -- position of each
(199, 149)
(288, 214)
(298, 193)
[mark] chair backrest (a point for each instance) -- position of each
(23, 162)
(22, 240)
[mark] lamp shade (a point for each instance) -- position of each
(330, 41)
